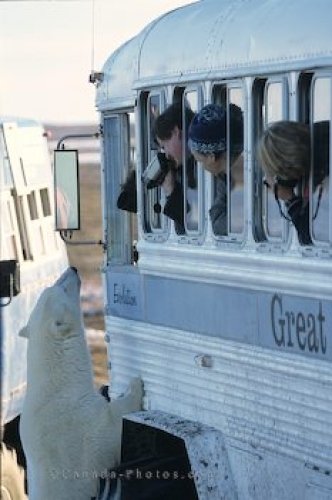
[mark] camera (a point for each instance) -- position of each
(156, 171)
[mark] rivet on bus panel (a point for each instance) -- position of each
(204, 361)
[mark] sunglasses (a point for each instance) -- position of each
(278, 181)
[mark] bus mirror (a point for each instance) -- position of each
(9, 278)
(66, 189)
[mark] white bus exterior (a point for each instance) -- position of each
(28, 237)
(230, 333)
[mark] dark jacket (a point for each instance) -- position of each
(298, 211)
(127, 199)
(174, 206)
(218, 210)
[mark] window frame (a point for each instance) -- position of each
(193, 234)
(261, 194)
(217, 89)
(116, 153)
(320, 244)
(150, 233)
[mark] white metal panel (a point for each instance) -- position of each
(278, 402)
(219, 38)
(244, 269)
(224, 34)
(119, 72)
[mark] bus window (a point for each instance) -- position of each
(7, 180)
(271, 106)
(192, 176)
(37, 228)
(32, 205)
(231, 98)
(235, 163)
(22, 217)
(132, 166)
(154, 221)
(45, 202)
(9, 238)
(321, 219)
(119, 153)
(272, 222)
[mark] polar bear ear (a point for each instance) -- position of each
(24, 332)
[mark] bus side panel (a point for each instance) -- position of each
(277, 320)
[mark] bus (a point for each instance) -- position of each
(32, 256)
(232, 333)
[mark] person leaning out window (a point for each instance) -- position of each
(207, 141)
(284, 153)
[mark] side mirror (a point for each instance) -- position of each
(9, 279)
(66, 190)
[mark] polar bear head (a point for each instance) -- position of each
(57, 312)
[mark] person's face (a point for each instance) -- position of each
(210, 163)
(173, 146)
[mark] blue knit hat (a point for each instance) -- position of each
(207, 131)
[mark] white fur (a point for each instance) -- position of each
(70, 433)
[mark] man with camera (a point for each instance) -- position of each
(168, 131)
(165, 169)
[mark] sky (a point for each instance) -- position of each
(48, 48)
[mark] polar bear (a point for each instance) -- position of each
(70, 433)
